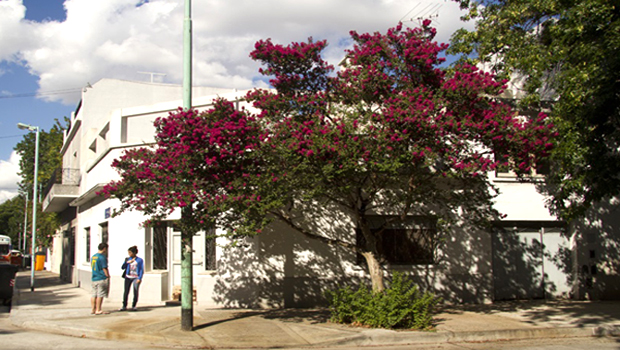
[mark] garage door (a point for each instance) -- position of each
(530, 262)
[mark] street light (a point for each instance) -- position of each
(34, 197)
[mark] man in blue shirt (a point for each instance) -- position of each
(100, 279)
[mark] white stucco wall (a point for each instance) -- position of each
(280, 267)
(520, 201)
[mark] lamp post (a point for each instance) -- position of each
(34, 197)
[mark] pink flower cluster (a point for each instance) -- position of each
(390, 116)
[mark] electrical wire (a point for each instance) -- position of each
(43, 93)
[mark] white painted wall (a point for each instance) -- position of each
(278, 268)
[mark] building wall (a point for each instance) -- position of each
(281, 267)
(596, 259)
(115, 116)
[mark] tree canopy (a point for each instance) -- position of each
(50, 143)
(390, 133)
(12, 219)
(568, 53)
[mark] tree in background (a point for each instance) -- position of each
(12, 219)
(50, 159)
(50, 143)
(391, 134)
(569, 52)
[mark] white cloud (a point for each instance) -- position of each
(9, 178)
(118, 38)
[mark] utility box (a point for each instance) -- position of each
(39, 261)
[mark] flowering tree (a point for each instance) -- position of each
(196, 158)
(391, 133)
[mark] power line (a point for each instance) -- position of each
(10, 136)
(42, 93)
(430, 11)
(418, 4)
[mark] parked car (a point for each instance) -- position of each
(16, 258)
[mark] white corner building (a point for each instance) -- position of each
(528, 255)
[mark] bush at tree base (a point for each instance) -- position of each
(401, 306)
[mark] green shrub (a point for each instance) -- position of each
(401, 305)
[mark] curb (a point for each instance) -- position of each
(50, 327)
(366, 339)
(607, 331)
(384, 338)
(153, 339)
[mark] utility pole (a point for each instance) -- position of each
(34, 198)
(187, 285)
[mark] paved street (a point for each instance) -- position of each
(15, 338)
(64, 310)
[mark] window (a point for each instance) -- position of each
(210, 256)
(541, 169)
(71, 239)
(408, 242)
(104, 234)
(160, 246)
(87, 240)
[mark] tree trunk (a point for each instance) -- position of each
(371, 253)
(375, 271)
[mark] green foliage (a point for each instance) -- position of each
(569, 53)
(12, 218)
(401, 305)
(50, 143)
(389, 133)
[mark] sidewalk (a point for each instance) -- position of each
(61, 308)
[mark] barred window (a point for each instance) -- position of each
(160, 246)
(210, 256)
(87, 235)
(403, 242)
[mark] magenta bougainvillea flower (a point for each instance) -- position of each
(389, 132)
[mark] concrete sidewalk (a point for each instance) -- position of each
(62, 308)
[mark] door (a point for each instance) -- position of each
(530, 262)
(518, 264)
(557, 263)
(175, 256)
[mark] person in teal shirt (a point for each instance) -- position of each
(100, 281)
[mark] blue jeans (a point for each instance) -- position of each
(129, 283)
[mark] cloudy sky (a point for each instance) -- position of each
(51, 49)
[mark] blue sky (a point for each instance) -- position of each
(51, 49)
(15, 80)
